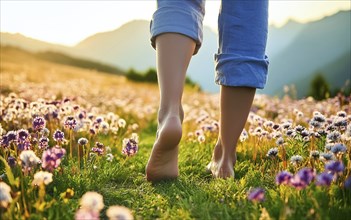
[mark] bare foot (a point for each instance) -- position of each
(221, 166)
(163, 162)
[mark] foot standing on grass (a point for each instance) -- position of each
(241, 67)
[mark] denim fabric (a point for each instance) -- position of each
(242, 26)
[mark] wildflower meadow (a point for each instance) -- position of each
(75, 143)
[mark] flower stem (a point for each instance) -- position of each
(79, 156)
(70, 144)
(26, 213)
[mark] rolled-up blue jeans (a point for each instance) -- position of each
(242, 26)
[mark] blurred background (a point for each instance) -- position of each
(308, 45)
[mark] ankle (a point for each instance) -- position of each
(228, 152)
(170, 111)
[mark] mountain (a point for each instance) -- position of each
(30, 44)
(319, 43)
(15, 53)
(296, 51)
(280, 38)
(129, 47)
(337, 73)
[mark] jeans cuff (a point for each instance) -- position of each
(235, 70)
(177, 20)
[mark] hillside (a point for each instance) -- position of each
(280, 38)
(319, 43)
(59, 58)
(31, 44)
(21, 70)
(336, 73)
(296, 50)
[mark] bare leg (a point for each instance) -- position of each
(174, 52)
(235, 104)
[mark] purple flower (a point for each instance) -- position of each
(92, 131)
(296, 182)
(11, 161)
(58, 136)
(130, 146)
(99, 144)
(4, 141)
(38, 123)
(52, 158)
(338, 148)
(11, 136)
(97, 150)
(324, 179)
(55, 114)
(256, 195)
(82, 115)
(99, 119)
(43, 143)
(283, 177)
(22, 136)
(70, 123)
(306, 174)
(59, 151)
(23, 140)
(302, 178)
(23, 146)
(327, 156)
(335, 166)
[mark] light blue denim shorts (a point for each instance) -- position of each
(242, 26)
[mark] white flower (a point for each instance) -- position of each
(28, 158)
(5, 196)
(119, 213)
(243, 136)
(42, 177)
(92, 201)
(135, 126)
(109, 157)
(135, 137)
(296, 159)
(121, 123)
(201, 138)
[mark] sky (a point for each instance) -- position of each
(68, 22)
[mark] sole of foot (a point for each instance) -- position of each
(163, 161)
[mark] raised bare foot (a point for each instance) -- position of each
(163, 162)
(221, 166)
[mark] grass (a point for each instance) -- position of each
(195, 194)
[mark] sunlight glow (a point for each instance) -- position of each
(68, 22)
